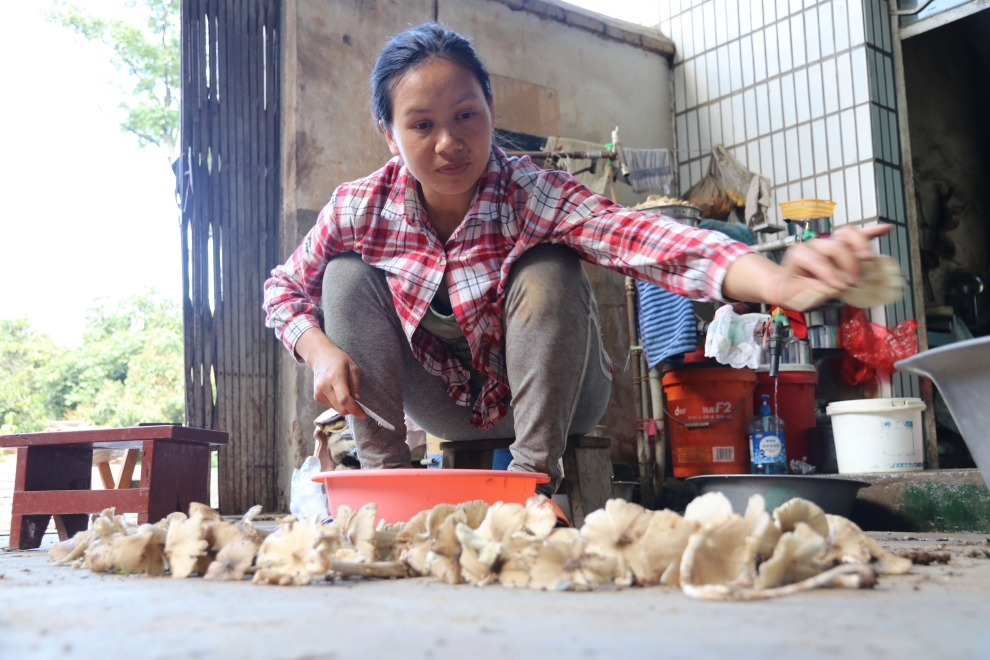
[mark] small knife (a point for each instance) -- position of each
(375, 416)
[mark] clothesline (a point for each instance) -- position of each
(578, 155)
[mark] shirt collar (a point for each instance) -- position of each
(403, 199)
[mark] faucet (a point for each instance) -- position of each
(775, 346)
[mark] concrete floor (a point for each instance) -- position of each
(934, 612)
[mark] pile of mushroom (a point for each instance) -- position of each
(710, 552)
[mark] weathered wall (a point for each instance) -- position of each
(801, 93)
(329, 138)
(600, 85)
(947, 78)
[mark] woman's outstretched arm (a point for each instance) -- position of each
(810, 273)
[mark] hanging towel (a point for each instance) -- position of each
(757, 201)
(597, 180)
(666, 324)
(649, 169)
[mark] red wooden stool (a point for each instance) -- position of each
(54, 474)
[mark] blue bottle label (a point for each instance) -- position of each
(767, 448)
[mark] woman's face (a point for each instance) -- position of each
(442, 128)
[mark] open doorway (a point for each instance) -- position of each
(947, 80)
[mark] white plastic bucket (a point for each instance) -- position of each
(878, 435)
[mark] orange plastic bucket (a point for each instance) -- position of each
(707, 417)
(401, 494)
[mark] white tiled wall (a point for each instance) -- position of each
(784, 84)
(886, 174)
(802, 92)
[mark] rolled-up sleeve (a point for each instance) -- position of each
(294, 290)
(646, 246)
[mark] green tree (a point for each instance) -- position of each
(129, 367)
(149, 55)
(24, 357)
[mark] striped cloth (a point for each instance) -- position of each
(666, 324)
(666, 320)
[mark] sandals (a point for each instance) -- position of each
(562, 520)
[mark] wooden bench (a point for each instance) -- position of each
(54, 474)
(587, 481)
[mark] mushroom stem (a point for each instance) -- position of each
(846, 575)
(378, 569)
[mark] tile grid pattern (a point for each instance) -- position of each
(889, 174)
(783, 84)
(801, 91)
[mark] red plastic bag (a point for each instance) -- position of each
(872, 345)
(855, 372)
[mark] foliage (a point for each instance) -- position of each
(24, 355)
(149, 55)
(128, 369)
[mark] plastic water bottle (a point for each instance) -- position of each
(767, 450)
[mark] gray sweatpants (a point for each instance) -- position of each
(557, 368)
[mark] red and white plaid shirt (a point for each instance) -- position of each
(517, 205)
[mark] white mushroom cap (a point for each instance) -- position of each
(562, 564)
(502, 520)
(442, 559)
(70, 549)
(762, 530)
(416, 538)
(478, 556)
(846, 542)
(503, 543)
(656, 556)
(614, 531)
(519, 556)
(850, 545)
(709, 509)
(793, 559)
(880, 282)
(286, 555)
(541, 518)
(796, 510)
(718, 554)
(357, 529)
(205, 511)
(232, 561)
(185, 544)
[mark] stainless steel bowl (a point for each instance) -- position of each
(962, 373)
(834, 495)
(689, 215)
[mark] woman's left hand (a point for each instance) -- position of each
(822, 268)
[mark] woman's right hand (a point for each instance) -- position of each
(336, 378)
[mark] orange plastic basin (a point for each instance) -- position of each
(401, 494)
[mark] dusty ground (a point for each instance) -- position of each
(935, 612)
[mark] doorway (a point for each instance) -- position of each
(947, 82)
